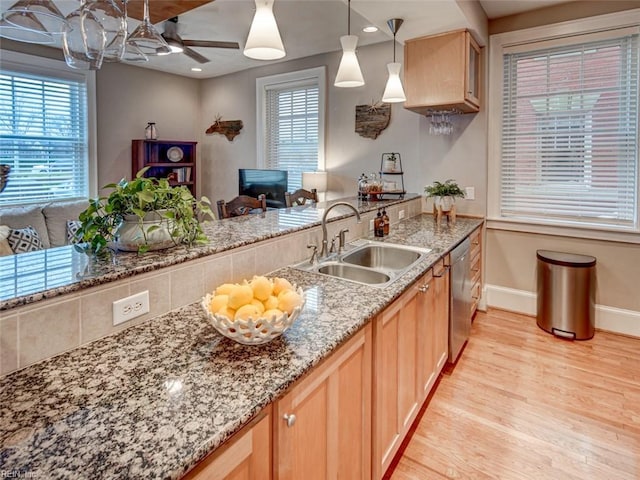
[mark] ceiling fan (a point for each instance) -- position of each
(177, 43)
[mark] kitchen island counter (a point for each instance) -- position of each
(155, 399)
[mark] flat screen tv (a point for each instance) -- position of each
(273, 183)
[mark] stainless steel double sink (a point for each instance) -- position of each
(366, 261)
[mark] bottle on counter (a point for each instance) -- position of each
(385, 222)
(378, 225)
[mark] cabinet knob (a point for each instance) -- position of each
(424, 288)
(290, 419)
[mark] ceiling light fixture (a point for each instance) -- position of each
(349, 74)
(370, 29)
(264, 41)
(196, 69)
(393, 92)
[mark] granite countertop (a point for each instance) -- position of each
(153, 400)
(30, 277)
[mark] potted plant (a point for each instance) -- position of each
(444, 194)
(142, 214)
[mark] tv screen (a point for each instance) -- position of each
(273, 183)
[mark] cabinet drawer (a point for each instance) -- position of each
(475, 291)
(476, 246)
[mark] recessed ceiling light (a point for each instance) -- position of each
(370, 29)
(196, 69)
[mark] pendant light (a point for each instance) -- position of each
(393, 92)
(349, 73)
(264, 41)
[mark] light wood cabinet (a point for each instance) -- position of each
(442, 72)
(322, 427)
(247, 456)
(476, 268)
(410, 348)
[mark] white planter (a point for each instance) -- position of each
(132, 233)
(445, 203)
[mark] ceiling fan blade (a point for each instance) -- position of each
(212, 44)
(195, 55)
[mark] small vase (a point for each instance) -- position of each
(151, 132)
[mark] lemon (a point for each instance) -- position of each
(271, 302)
(289, 300)
(240, 295)
(258, 304)
(218, 302)
(247, 311)
(274, 312)
(227, 312)
(280, 284)
(262, 288)
(225, 289)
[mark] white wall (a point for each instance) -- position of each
(127, 98)
(425, 158)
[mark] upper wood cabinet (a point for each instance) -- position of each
(442, 72)
(323, 425)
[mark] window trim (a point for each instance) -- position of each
(318, 74)
(510, 40)
(32, 64)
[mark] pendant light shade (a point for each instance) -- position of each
(349, 73)
(264, 41)
(393, 92)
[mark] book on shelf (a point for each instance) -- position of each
(182, 174)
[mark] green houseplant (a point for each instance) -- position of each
(444, 194)
(142, 214)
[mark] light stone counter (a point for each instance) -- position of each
(153, 400)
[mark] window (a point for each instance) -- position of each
(567, 150)
(291, 123)
(44, 129)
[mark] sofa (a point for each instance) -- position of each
(53, 223)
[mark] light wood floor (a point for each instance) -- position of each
(522, 404)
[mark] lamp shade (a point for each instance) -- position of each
(349, 73)
(393, 92)
(317, 180)
(264, 41)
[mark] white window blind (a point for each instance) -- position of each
(43, 137)
(292, 124)
(570, 134)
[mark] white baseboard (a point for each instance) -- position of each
(611, 319)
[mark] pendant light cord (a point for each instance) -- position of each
(349, 17)
(394, 47)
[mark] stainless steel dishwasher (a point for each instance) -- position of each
(460, 303)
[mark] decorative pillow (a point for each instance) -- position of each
(24, 240)
(72, 228)
(5, 248)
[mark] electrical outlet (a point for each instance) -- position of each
(371, 224)
(401, 214)
(470, 193)
(131, 307)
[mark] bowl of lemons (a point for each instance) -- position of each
(254, 312)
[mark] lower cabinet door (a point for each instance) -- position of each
(246, 457)
(396, 367)
(441, 314)
(323, 425)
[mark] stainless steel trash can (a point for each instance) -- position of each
(566, 294)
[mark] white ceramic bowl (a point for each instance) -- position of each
(252, 331)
